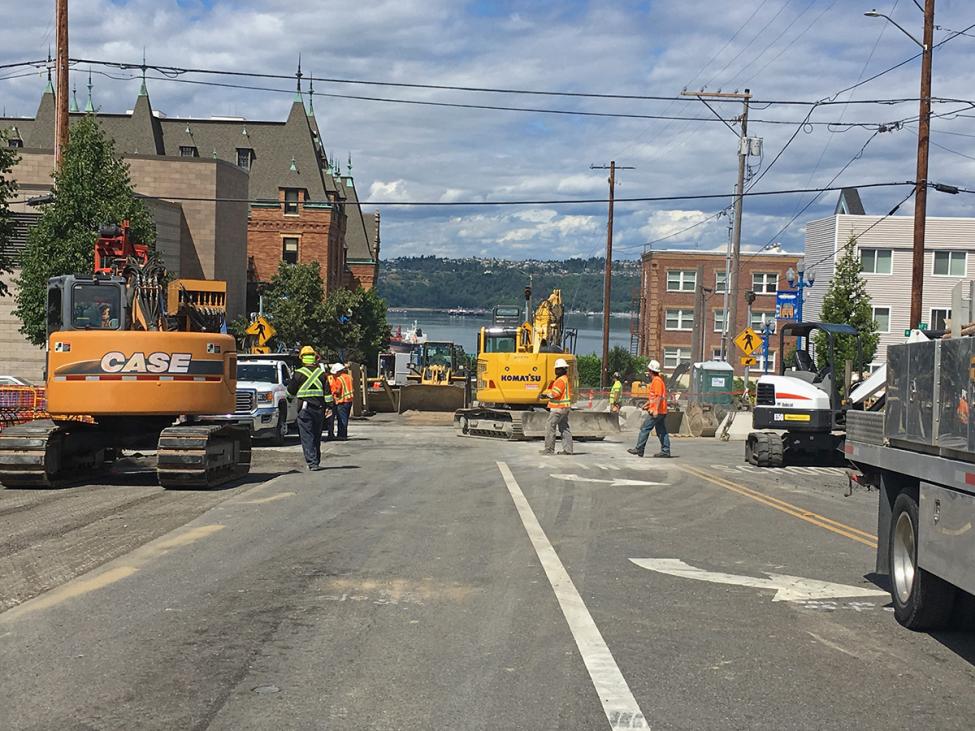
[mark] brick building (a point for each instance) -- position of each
(668, 287)
(306, 209)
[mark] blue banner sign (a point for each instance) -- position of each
(786, 304)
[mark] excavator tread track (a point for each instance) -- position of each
(202, 455)
(32, 455)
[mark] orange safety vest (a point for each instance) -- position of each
(657, 403)
(344, 394)
(560, 393)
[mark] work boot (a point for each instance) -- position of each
(546, 452)
(635, 451)
(314, 467)
(566, 453)
(662, 455)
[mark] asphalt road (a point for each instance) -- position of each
(428, 581)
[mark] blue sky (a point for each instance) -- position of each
(781, 49)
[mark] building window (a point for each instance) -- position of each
(188, 151)
(950, 263)
(715, 353)
(719, 321)
(673, 357)
(679, 320)
(761, 361)
(881, 316)
(291, 201)
(244, 157)
(15, 142)
(681, 280)
(875, 261)
(756, 322)
(289, 249)
(720, 282)
(940, 318)
(764, 282)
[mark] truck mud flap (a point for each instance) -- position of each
(420, 397)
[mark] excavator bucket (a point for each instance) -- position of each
(425, 397)
(584, 424)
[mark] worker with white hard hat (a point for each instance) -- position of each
(559, 395)
(344, 395)
(656, 419)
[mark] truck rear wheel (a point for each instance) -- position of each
(281, 429)
(922, 600)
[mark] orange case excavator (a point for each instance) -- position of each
(144, 357)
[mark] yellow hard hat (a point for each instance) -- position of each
(307, 350)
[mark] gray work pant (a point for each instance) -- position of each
(310, 423)
(558, 419)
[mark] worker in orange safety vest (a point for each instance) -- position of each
(343, 392)
(559, 395)
(656, 418)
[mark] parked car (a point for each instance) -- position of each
(263, 402)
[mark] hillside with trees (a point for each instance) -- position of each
(434, 282)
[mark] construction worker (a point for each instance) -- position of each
(344, 394)
(331, 409)
(616, 394)
(559, 395)
(307, 385)
(656, 408)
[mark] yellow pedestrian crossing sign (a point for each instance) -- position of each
(748, 341)
(262, 330)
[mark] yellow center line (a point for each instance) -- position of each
(821, 521)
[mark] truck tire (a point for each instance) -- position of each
(761, 450)
(922, 601)
(776, 451)
(281, 429)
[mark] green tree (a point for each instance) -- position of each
(91, 188)
(8, 189)
(847, 302)
(354, 325)
(294, 300)
(588, 367)
(630, 367)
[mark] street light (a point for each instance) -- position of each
(875, 14)
(800, 281)
(923, 140)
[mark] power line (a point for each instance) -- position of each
(712, 217)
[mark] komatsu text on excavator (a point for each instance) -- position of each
(139, 357)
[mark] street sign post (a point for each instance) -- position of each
(748, 341)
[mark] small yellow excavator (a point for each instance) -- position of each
(515, 364)
(142, 358)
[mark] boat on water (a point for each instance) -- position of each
(404, 342)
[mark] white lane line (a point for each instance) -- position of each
(619, 705)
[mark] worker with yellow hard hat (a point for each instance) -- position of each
(307, 384)
(559, 395)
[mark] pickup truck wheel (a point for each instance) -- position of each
(281, 430)
(922, 600)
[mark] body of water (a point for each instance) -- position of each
(464, 330)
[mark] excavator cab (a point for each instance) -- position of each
(86, 303)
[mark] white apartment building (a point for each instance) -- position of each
(886, 255)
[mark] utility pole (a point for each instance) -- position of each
(608, 273)
(61, 93)
(921, 191)
(731, 312)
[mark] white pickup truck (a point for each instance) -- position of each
(262, 397)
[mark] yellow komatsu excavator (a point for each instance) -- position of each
(515, 365)
(142, 357)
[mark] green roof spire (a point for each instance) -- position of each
(298, 76)
(73, 106)
(90, 104)
(311, 97)
(49, 89)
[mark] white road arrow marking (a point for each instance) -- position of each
(618, 482)
(787, 588)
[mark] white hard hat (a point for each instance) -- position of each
(337, 368)
(560, 363)
(654, 365)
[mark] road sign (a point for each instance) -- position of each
(785, 304)
(261, 350)
(787, 588)
(748, 341)
(748, 360)
(262, 330)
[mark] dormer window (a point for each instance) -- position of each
(15, 142)
(245, 155)
(291, 201)
(188, 151)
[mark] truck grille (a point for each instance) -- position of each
(765, 394)
(246, 401)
